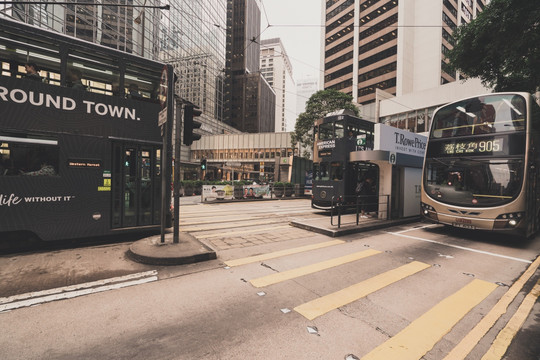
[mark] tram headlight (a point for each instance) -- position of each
(509, 220)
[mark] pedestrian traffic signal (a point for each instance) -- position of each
(189, 124)
(203, 164)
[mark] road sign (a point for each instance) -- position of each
(392, 158)
(361, 140)
(162, 119)
(163, 88)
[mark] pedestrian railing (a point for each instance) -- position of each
(378, 207)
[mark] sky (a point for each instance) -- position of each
(302, 42)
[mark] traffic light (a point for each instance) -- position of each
(189, 124)
(203, 164)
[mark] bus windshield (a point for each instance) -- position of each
(480, 115)
(473, 183)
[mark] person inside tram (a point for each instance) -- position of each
(74, 79)
(32, 72)
(133, 92)
(44, 170)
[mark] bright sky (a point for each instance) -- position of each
(302, 42)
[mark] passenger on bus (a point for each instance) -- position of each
(74, 79)
(32, 72)
(483, 124)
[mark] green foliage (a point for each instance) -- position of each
(318, 105)
(501, 47)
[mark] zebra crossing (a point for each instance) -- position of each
(412, 342)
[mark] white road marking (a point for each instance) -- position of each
(68, 292)
(461, 247)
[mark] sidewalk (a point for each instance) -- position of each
(348, 224)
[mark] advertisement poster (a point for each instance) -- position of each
(226, 192)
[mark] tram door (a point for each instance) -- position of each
(136, 185)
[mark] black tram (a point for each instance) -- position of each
(335, 177)
(77, 160)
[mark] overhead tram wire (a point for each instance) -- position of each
(163, 7)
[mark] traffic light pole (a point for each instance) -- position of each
(176, 189)
(165, 171)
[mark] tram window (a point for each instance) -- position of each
(320, 171)
(352, 130)
(27, 156)
(336, 171)
(339, 130)
(13, 59)
(87, 72)
(142, 83)
(326, 131)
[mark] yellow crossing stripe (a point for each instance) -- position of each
(276, 254)
(324, 304)
(310, 269)
(503, 340)
(226, 234)
(465, 346)
(422, 334)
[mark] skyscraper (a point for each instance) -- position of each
(277, 70)
(394, 45)
(249, 100)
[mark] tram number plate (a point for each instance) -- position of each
(464, 226)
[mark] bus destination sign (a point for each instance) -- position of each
(490, 146)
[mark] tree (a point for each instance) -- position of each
(501, 47)
(318, 105)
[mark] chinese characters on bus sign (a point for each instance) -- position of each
(473, 147)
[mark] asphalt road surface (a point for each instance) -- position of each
(414, 291)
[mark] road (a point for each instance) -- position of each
(414, 291)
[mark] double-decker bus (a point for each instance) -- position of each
(80, 145)
(335, 177)
(481, 169)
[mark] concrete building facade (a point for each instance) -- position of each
(393, 45)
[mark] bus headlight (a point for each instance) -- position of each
(429, 211)
(508, 220)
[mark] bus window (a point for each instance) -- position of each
(480, 115)
(91, 73)
(28, 156)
